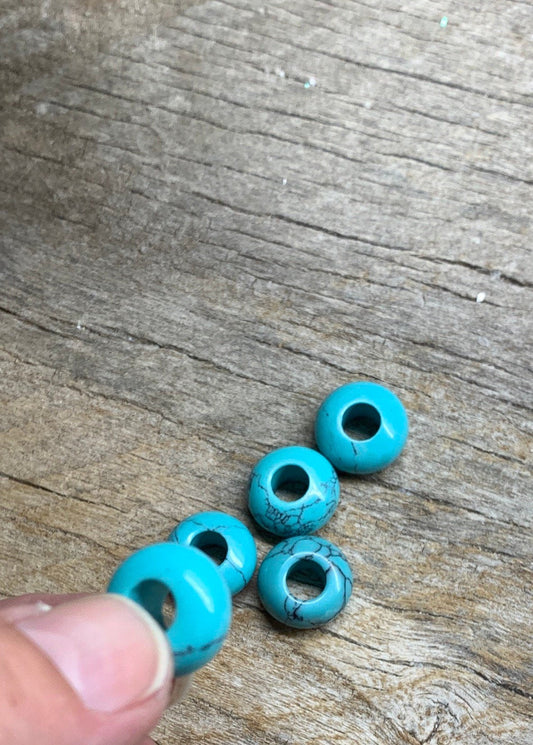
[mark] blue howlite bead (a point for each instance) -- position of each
(313, 560)
(221, 537)
(380, 419)
(202, 598)
(315, 477)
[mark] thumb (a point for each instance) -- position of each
(94, 671)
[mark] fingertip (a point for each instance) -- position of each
(108, 648)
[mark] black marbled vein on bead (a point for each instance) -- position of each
(277, 519)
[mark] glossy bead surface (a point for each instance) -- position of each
(309, 559)
(202, 599)
(221, 537)
(316, 480)
(381, 422)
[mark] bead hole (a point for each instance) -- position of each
(156, 598)
(361, 421)
(212, 544)
(168, 611)
(306, 580)
(290, 483)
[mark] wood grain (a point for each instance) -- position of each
(196, 248)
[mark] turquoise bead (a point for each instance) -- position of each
(377, 415)
(309, 559)
(202, 599)
(312, 474)
(223, 538)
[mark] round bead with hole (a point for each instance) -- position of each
(226, 540)
(361, 427)
(310, 560)
(201, 597)
(301, 475)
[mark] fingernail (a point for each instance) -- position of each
(108, 648)
(16, 613)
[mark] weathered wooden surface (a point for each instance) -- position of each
(196, 248)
